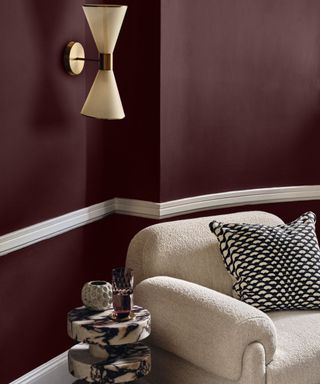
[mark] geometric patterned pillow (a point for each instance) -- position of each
(273, 268)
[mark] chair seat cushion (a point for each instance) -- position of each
(275, 268)
(297, 357)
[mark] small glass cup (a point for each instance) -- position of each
(122, 292)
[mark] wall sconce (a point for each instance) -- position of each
(103, 100)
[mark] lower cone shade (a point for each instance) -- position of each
(103, 101)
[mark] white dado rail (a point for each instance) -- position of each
(53, 227)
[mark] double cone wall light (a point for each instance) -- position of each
(103, 100)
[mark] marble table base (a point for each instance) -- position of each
(124, 365)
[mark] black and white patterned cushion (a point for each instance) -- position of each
(274, 268)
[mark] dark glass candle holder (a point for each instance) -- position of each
(122, 293)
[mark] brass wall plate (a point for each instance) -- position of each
(74, 58)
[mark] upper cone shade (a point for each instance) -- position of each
(105, 23)
(103, 101)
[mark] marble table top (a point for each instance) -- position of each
(98, 328)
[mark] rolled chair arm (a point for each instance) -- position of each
(203, 326)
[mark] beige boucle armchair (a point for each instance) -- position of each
(200, 333)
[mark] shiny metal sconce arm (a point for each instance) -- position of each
(105, 60)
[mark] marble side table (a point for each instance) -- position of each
(110, 351)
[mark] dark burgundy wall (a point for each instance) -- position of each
(54, 161)
(137, 68)
(239, 95)
(239, 105)
(239, 109)
(43, 137)
(133, 144)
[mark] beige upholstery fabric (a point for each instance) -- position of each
(207, 328)
(297, 358)
(203, 336)
(186, 249)
(167, 368)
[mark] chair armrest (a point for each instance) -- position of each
(205, 327)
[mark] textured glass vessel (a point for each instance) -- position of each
(122, 292)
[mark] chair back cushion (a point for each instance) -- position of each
(187, 250)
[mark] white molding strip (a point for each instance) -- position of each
(152, 210)
(236, 198)
(200, 203)
(53, 372)
(140, 208)
(53, 227)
